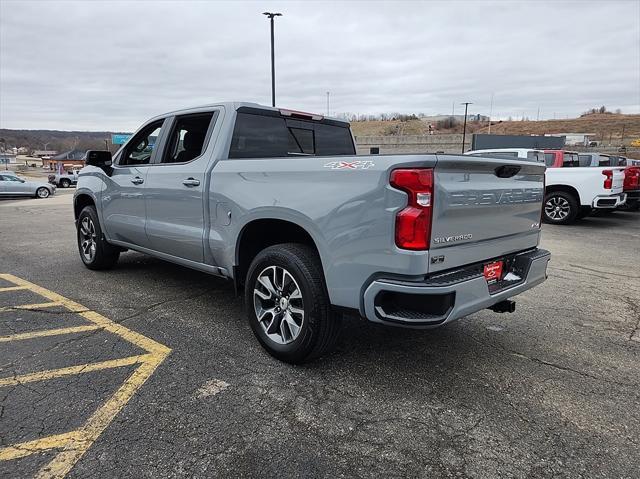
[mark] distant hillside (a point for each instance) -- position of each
(603, 125)
(55, 140)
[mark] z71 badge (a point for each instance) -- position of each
(350, 165)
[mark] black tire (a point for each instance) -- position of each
(319, 325)
(584, 212)
(568, 205)
(43, 192)
(104, 254)
(64, 183)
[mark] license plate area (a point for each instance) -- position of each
(493, 271)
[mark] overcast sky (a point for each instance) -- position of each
(110, 65)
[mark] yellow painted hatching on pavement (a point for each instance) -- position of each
(73, 444)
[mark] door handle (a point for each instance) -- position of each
(137, 180)
(191, 182)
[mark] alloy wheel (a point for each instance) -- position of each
(557, 208)
(88, 239)
(278, 304)
(43, 193)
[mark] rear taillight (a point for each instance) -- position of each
(631, 178)
(413, 223)
(608, 181)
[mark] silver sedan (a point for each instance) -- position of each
(12, 185)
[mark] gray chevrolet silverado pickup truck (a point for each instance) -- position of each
(278, 202)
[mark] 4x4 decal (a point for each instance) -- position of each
(350, 165)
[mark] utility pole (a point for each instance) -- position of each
(106, 145)
(538, 115)
(464, 127)
(622, 139)
(328, 93)
(273, 58)
(490, 113)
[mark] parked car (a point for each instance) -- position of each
(506, 153)
(278, 202)
(13, 185)
(64, 180)
(573, 193)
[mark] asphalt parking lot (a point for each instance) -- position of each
(552, 390)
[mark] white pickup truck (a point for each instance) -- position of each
(571, 192)
(65, 179)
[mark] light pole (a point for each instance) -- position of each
(490, 113)
(328, 93)
(273, 58)
(464, 127)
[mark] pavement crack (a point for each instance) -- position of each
(617, 274)
(635, 309)
(550, 364)
(152, 307)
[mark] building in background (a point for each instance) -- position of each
(68, 160)
(576, 139)
(42, 153)
(7, 158)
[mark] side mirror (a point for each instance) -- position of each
(99, 158)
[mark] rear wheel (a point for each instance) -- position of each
(560, 208)
(42, 192)
(94, 250)
(287, 303)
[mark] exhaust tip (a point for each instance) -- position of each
(506, 306)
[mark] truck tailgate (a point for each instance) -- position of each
(484, 208)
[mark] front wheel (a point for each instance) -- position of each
(287, 303)
(560, 208)
(43, 192)
(65, 183)
(94, 250)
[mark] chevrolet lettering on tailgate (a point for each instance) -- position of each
(500, 197)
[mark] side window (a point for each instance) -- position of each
(584, 160)
(549, 159)
(535, 156)
(187, 139)
(569, 160)
(140, 148)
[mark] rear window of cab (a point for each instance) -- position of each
(265, 136)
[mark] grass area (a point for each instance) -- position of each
(602, 125)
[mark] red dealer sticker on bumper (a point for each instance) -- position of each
(493, 271)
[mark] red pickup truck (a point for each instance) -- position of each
(632, 187)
